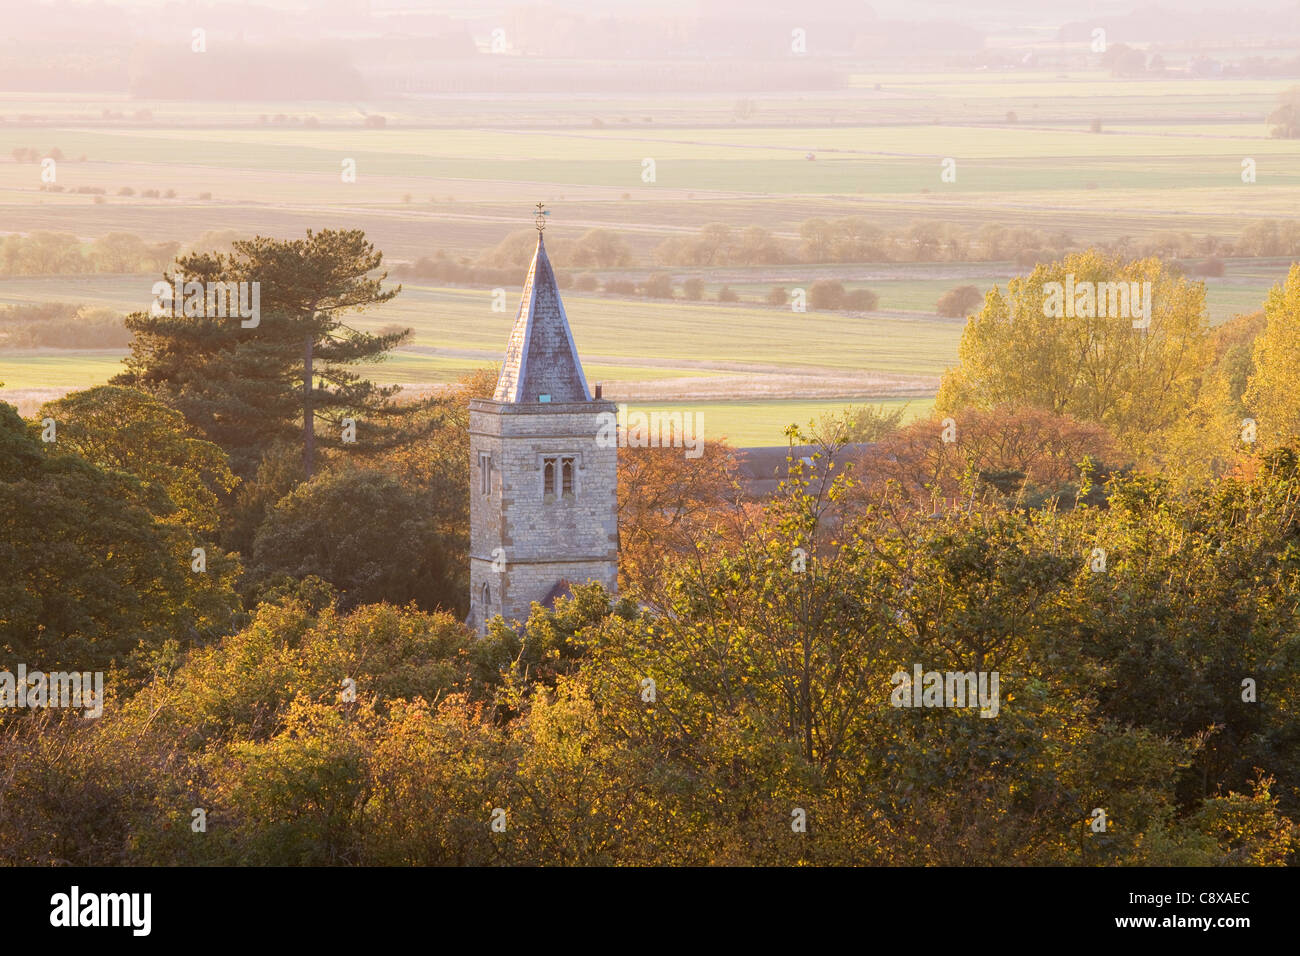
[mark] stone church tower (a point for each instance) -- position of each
(544, 492)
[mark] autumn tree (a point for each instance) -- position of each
(666, 503)
(118, 252)
(826, 295)
(1273, 391)
(597, 248)
(1234, 354)
(750, 714)
(1022, 455)
(1286, 118)
(658, 285)
(818, 237)
(1027, 347)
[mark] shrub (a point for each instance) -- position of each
(826, 294)
(859, 300)
(959, 302)
(658, 286)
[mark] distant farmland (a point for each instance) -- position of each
(457, 175)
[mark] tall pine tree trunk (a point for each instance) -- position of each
(308, 414)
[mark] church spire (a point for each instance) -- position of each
(541, 362)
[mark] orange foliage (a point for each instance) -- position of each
(1007, 448)
(666, 504)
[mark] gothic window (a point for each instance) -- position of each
(559, 476)
(485, 472)
(487, 597)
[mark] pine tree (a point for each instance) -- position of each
(250, 388)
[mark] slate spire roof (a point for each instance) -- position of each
(541, 358)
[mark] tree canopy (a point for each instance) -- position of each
(250, 387)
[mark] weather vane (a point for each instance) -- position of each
(540, 218)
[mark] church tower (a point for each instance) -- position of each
(544, 490)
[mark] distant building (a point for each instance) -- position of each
(544, 495)
(761, 470)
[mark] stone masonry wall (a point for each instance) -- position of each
(544, 538)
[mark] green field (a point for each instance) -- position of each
(58, 369)
(630, 329)
(749, 424)
(678, 347)
(741, 423)
(644, 351)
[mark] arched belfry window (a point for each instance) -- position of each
(560, 476)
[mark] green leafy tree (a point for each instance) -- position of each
(88, 575)
(346, 526)
(127, 430)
